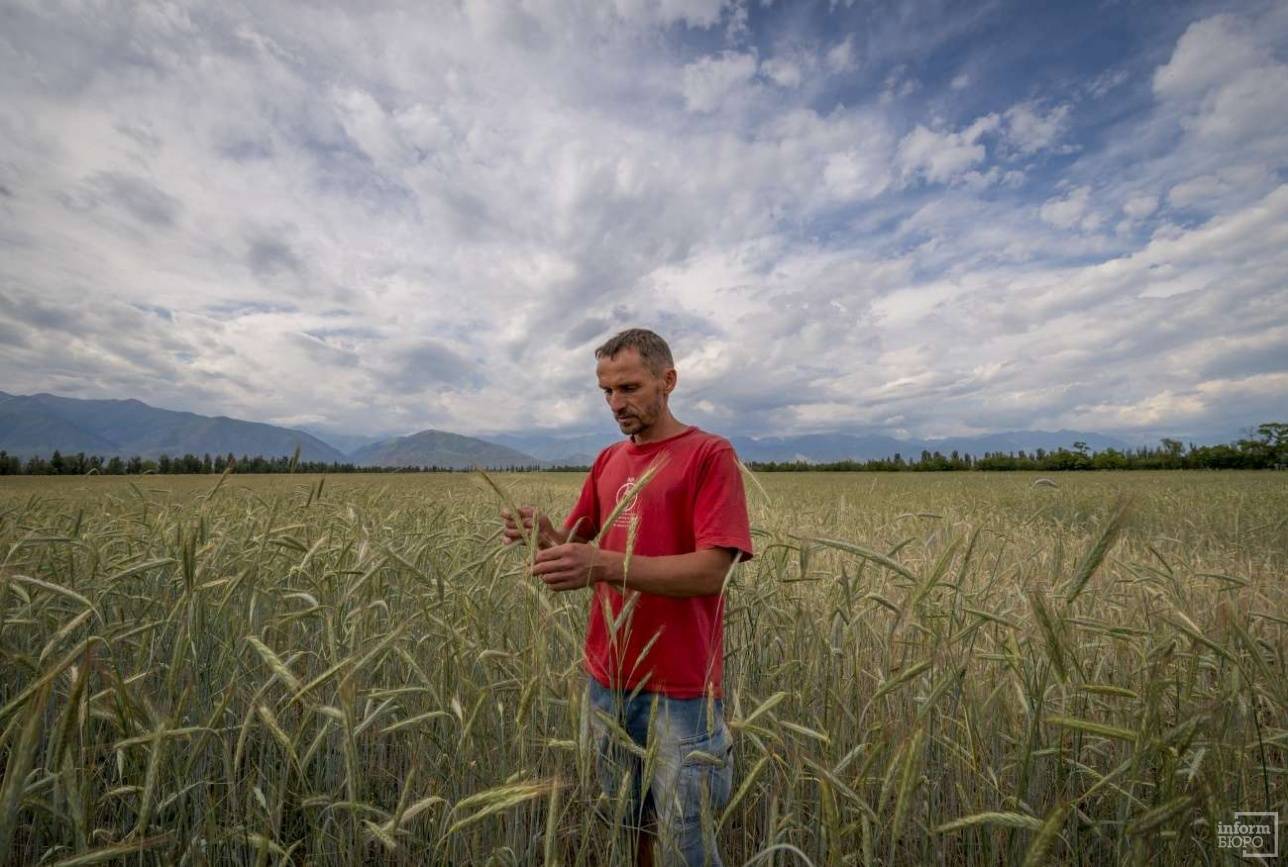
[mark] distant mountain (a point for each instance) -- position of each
(818, 448)
(26, 427)
(563, 450)
(38, 424)
(347, 443)
(436, 448)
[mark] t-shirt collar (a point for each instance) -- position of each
(644, 448)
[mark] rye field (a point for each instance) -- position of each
(939, 668)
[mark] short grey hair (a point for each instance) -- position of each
(653, 350)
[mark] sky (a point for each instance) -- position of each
(914, 218)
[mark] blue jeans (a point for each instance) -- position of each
(665, 763)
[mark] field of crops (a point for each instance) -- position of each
(974, 669)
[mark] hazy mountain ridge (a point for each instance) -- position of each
(38, 424)
(442, 449)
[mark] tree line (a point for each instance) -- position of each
(1267, 448)
(80, 464)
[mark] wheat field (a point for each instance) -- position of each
(963, 668)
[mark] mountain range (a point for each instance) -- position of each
(37, 424)
(441, 449)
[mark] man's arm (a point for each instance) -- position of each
(572, 566)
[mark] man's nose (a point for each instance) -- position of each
(616, 402)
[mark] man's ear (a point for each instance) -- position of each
(670, 378)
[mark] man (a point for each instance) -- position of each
(654, 640)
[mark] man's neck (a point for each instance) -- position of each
(664, 429)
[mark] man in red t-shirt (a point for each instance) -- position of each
(654, 640)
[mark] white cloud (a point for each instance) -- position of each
(1140, 206)
(784, 73)
(1070, 210)
(1211, 52)
(708, 81)
(840, 57)
(1225, 80)
(1030, 129)
(694, 13)
(1225, 186)
(944, 156)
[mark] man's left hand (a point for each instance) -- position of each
(568, 567)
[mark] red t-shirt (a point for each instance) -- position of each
(696, 501)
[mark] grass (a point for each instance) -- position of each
(937, 668)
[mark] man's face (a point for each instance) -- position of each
(634, 393)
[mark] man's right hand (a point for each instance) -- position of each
(547, 535)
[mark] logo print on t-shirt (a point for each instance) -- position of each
(632, 508)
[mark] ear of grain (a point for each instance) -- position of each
(275, 663)
(1095, 554)
(21, 760)
(497, 800)
(1005, 820)
(115, 852)
(1039, 850)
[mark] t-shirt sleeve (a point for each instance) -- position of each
(584, 516)
(720, 505)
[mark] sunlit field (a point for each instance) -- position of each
(955, 668)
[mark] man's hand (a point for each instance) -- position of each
(569, 567)
(547, 536)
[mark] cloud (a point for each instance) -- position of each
(1070, 210)
(1225, 80)
(783, 72)
(709, 80)
(134, 196)
(840, 57)
(694, 13)
(941, 157)
(1141, 206)
(381, 225)
(268, 256)
(1030, 129)
(1211, 52)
